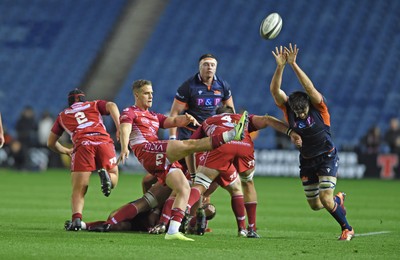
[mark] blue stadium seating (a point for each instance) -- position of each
(348, 48)
(47, 47)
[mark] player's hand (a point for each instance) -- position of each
(291, 53)
(191, 119)
(117, 135)
(123, 156)
(69, 151)
(280, 56)
(296, 139)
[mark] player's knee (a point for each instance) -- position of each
(315, 204)
(203, 180)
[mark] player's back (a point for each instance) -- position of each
(83, 118)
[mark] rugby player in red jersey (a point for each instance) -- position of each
(93, 149)
(226, 162)
(139, 130)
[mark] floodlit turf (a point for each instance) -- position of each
(34, 207)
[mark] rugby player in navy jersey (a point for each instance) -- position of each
(199, 96)
(307, 114)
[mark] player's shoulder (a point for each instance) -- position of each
(192, 80)
(221, 80)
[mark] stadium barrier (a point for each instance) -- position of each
(283, 163)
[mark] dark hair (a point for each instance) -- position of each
(299, 100)
(76, 95)
(210, 210)
(224, 109)
(208, 55)
(137, 84)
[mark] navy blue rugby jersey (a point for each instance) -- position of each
(314, 130)
(202, 100)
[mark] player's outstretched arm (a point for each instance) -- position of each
(180, 121)
(125, 130)
(112, 108)
(176, 109)
(304, 80)
(275, 87)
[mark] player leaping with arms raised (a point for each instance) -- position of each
(307, 115)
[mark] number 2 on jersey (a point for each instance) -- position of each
(81, 117)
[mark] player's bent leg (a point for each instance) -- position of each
(241, 126)
(80, 183)
(327, 186)
(114, 175)
(177, 150)
(250, 201)
(237, 204)
(339, 198)
(335, 205)
(148, 181)
(177, 181)
(312, 195)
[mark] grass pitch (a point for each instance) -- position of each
(34, 207)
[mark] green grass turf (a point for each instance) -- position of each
(34, 207)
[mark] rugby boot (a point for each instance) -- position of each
(201, 222)
(347, 235)
(74, 225)
(241, 126)
(177, 236)
(105, 182)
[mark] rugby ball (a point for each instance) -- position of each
(271, 26)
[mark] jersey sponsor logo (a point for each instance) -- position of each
(154, 147)
(308, 122)
(208, 102)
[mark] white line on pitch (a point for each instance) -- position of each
(372, 233)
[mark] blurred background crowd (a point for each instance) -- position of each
(349, 49)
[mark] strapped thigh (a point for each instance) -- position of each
(203, 180)
(247, 178)
(327, 182)
(151, 199)
(311, 191)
